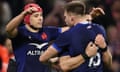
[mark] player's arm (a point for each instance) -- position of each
(96, 12)
(107, 57)
(68, 63)
(11, 27)
(50, 52)
(55, 48)
(73, 62)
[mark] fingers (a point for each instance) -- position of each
(100, 41)
(91, 49)
(30, 10)
(92, 45)
(100, 10)
(93, 8)
(99, 38)
(97, 12)
(53, 60)
(33, 9)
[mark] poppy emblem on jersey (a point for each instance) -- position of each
(44, 36)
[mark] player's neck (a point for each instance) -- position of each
(83, 19)
(80, 21)
(31, 30)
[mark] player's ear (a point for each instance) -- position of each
(72, 18)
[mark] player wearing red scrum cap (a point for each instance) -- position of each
(31, 40)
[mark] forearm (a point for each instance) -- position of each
(71, 63)
(76, 61)
(13, 24)
(50, 52)
(107, 58)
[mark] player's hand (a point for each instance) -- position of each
(54, 60)
(96, 12)
(91, 49)
(29, 10)
(100, 41)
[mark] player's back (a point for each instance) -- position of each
(82, 34)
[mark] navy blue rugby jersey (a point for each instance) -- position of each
(28, 46)
(76, 39)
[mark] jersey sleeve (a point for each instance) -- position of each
(103, 32)
(19, 33)
(62, 42)
(54, 32)
(64, 53)
(79, 41)
(18, 39)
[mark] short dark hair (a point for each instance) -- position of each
(76, 7)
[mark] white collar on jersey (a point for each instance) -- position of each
(85, 22)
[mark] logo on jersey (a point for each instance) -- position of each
(44, 36)
(39, 46)
(36, 52)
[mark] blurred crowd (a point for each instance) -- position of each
(53, 16)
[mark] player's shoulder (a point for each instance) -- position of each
(21, 28)
(95, 25)
(80, 27)
(52, 28)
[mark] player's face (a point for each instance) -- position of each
(68, 18)
(36, 19)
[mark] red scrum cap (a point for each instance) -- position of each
(27, 17)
